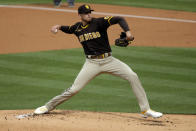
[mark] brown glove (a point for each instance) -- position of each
(122, 41)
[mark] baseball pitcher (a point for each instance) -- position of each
(92, 34)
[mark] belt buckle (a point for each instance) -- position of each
(103, 56)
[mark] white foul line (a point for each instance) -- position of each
(101, 13)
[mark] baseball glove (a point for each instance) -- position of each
(122, 41)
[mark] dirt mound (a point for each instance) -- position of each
(62, 120)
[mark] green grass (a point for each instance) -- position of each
(185, 5)
(29, 80)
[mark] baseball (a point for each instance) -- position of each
(55, 31)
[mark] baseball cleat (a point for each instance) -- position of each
(41, 110)
(151, 113)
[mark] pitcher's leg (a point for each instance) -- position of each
(118, 68)
(87, 73)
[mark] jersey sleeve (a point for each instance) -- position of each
(69, 29)
(105, 22)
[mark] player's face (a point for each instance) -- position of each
(86, 17)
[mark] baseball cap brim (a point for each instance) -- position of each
(85, 12)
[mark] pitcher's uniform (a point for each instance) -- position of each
(99, 59)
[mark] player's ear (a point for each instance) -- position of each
(79, 15)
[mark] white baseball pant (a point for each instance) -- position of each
(95, 67)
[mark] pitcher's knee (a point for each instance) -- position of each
(67, 93)
(132, 76)
(72, 90)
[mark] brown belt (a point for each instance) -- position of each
(102, 56)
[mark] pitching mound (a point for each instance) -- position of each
(61, 120)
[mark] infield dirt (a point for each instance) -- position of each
(25, 30)
(60, 120)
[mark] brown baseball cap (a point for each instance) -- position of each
(84, 9)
